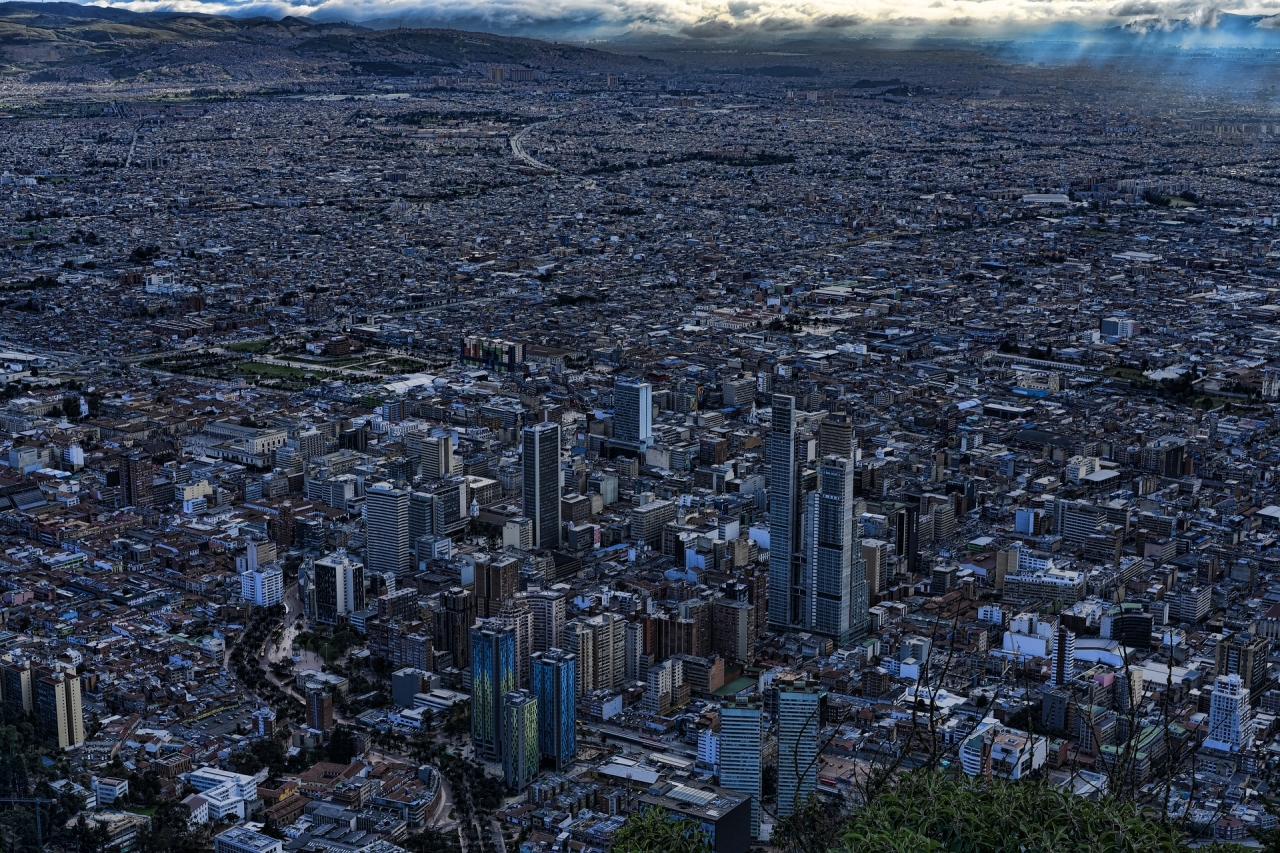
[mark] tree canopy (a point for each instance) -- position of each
(656, 830)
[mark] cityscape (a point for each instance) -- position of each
(424, 441)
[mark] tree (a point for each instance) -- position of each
(932, 810)
(814, 827)
(655, 830)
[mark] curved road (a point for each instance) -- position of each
(517, 149)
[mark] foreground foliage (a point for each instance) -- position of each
(928, 811)
(656, 830)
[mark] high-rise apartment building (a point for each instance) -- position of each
(517, 616)
(493, 676)
(387, 544)
(799, 720)
(541, 482)
(554, 684)
(548, 607)
(741, 748)
(58, 708)
(320, 710)
(1245, 655)
(578, 639)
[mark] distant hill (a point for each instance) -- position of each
(66, 41)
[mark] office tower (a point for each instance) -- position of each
(520, 739)
(664, 679)
(497, 581)
(839, 579)
(799, 719)
(787, 594)
(1230, 718)
(493, 675)
(554, 685)
(1062, 657)
(541, 475)
(633, 414)
(517, 616)
(453, 624)
(17, 684)
(518, 533)
(1245, 655)
(548, 607)
(580, 640)
(339, 587)
(57, 700)
(137, 476)
(741, 738)
(387, 542)
(437, 456)
(733, 628)
(320, 710)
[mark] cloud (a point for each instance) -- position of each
(725, 19)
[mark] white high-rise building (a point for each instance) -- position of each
(741, 736)
(1230, 718)
(838, 595)
(338, 581)
(386, 521)
(262, 586)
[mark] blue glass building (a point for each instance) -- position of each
(555, 685)
(493, 675)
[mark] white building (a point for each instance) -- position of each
(228, 794)
(1230, 718)
(994, 751)
(263, 586)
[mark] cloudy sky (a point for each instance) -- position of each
(718, 19)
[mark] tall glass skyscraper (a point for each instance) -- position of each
(520, 739)
(741, 736)
(541, 475)
(799, 719)
(493, 675)
(554, 674)
(787, 604)
(839, 577)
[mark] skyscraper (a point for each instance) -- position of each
(339, 587)
(1244, 654)
(493, 675)
(741, 736)
(787, 594)
(58, 708)
(137, 476)
(839, 578)
(633, 414)
(320, 710)
(799, 718)
(520, 739)
(541, 474)
(387, 543)
(554, 680)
